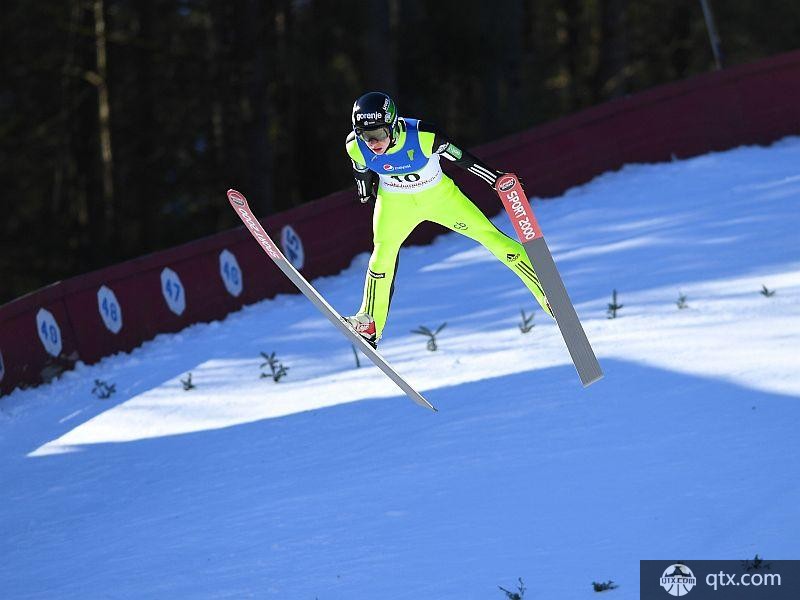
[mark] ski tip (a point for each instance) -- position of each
(236, 197)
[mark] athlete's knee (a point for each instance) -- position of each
(379, 276)
(499, 244)
(384, 257)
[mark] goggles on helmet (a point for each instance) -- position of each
(377, 135)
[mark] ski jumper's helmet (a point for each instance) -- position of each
(372, 111)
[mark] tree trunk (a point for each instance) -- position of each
(502, 111)
(610, 78)
(283, 101)
(572, 48)
(680, 27)
(214, 59)
(260, 159)
(104, 114)
(145, 173)
(380, 74)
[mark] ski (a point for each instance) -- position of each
(530, 235)
(239, 204)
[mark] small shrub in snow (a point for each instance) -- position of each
(277, 370)
(518, 595)
(756, 564)
(187, 383)
(682, 301)
(103, 390)
(527, 322)
(613, 306)
(422, 330)
(603, 587)
(767, 293)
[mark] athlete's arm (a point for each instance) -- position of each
(366, 180)
(443, 146)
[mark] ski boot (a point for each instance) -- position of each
(364, 325)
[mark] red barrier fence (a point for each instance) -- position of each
(116, 309)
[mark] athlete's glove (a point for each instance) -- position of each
(366, 185)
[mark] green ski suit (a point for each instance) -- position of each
(423, 194)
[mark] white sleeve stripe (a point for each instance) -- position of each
(480, 172)
(485, 170)
(482, 175)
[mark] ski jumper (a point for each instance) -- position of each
(410, 187)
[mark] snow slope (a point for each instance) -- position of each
(332, 485)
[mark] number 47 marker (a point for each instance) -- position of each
(519, 211)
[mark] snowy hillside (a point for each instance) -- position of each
(331, 484)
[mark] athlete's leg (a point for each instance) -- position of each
(455, 211)
(395, 217)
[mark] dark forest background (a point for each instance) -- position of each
(123, 122)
